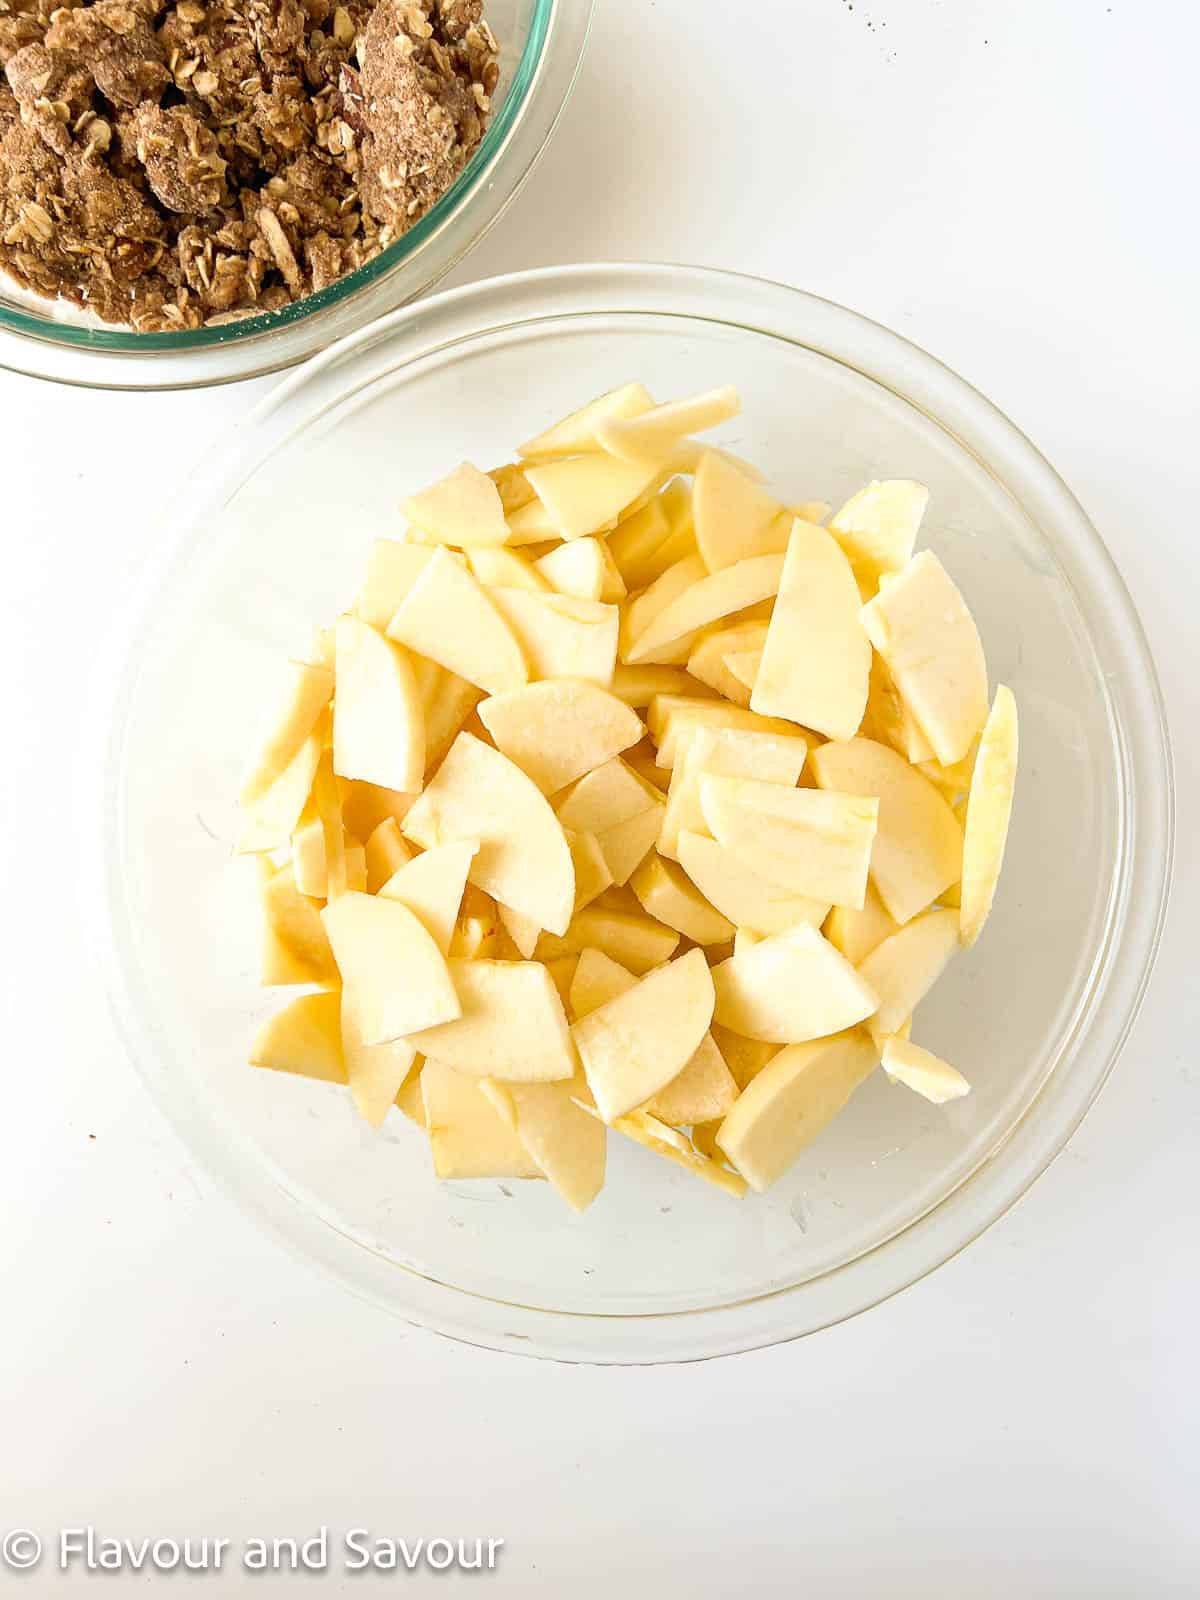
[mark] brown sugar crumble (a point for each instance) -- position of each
(171, 165)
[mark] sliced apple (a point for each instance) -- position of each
(653, 435)
(578, 431)
(565, 1141)
(431, 885)
(709, 660)
(409, 1099)
(730, 753)
(904, 967)
(480, 933)
(512, 1024)
(467, 1135)
(378, 717)
(790, 1101)
(585, 494)
(462, 509)
(398, 976)
(675, 1147)
(877, 528)
(922, 1072)
(643, 609)
(918, 850)
(744, 1057)
(743, 667)
(637, 942)
(376, 1072)
(295, 947)
(816, 663)
(633, 1046)
(304, 1038)
(732, 589)
(637, 686)
(532, 524)
(448, 617)
(597, 980)
(887, 718)
(583, 568)
(748, 900)
(592, 874)
(673, 721)
(386, 852)
(560, 729)
(506, 569)
(392, 569)
(989, 810)
(680, 540)
(702, 1092)
(620, 808)
(561, 637)
(523, 857)
(790, 988)
(634, 540)
(669, 895)
(856, 932)
(447, 702)
(305, 694)
(920, 624)
(735, 518)
(268, 822)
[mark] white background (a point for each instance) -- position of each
(1013, 185)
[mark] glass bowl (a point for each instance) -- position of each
(541, 47)
(265, 540)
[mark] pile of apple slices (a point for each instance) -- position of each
(626, 796)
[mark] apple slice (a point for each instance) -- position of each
(643, 609)
(431, 885)
(597, 980)
(709, 660)
(585, 494)
(532, 524)
(675, 1147)
(922, 1072)
(308, 854)
(577, 432)
(746, 899)
(523, 857)
(560, 729)
(702, 1092)
(637, 686)
(592, 875)
(306, 692)
(295, 947)
(790, 1101)
(653, 435)
(743, 666)
(386, 851)
(633, 1046)
(408, 1098)
(584, 569)
(561, 637)
(673, 721)
(467, 1135)
(877, 528)
(918, 850)
(512, 486)
(816, 663)
(989, 810)
(304, 1038)
(634, 540)
(668, 894)
(730, 753)
(610, 794)
(889, 721)
(463, 509)
(680, 540)
(376, 1072)
(565, 1142)
(392, 569)
(922, 628)
(448, 617)
(506, 569)
(744, 1057)
(637, 942)
(812, 842)
(447, 702)
(378, 718)
(904, 967)
(735, 518)
(734, 588)
(389, 961)
(270, 819)
(791, 988)
(512, 1025)
(856, 932)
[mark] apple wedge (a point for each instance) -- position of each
(392, 569)
(306, 692)
(431, 885)
(640, 614)
(637, 686)
(790, 1101)
(673, 720)
(680, 540)
(620, 808)
(562, 1139)
(467, 1136)
(633, 1046)
(512, 1024)
(304, 1038)
(734, 588)
(592, 875)
(496, 568)
(791, 988)
(448, 617)
(920, 624)
(462, 509)
(744, 1057)
(669, 895)
(904, 967)
(586, 494)
(816, 662)
(812, 842)
(709, 661)
(386, 852)
(746, 899)
(583, 568)
(877, 528)
(702, 1092)
(268, 822)
(637, 942)
(918, 850)
(633, 542)
(532, 524)
(561, 637)
(888, 720)
(735, 518)
(295, 947)
(397, 974)
(560, 729)
(743, 667)
(653, 435)
(378, 717)
(856, 932)
(375, 1072)
(597, 980)
(523, 857)
(989, 810)
(447, 702)
(730, 753)
(577, 432)
(922, 1072)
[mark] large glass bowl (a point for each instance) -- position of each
(265, 539)
(541, 46)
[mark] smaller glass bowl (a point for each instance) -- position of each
(541, 47)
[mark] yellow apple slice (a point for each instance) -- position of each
(743, 666)
(523, 931)
(989, 809)
(565, 1142)
(386, 852)
(812, 842)
(735, 518)
(634, 540)
(640, 613)
(709, 661)
(512, 1025)
(673, 721)
(637, 686)
(877, 528)
(532, 524)
(308, 854)
(680, 540)
(523, 857)
(637, 942)
(561, 637)
(626, 844)
(268, 822)
(512, 486)
(791, 1100)
(304, 1038)
(746, 899)
(733, 588)
(668, 894)
(583, 568)
(408, 1098)
(506, 569)
(889, 721)
(467, 1135)
(744, 1057)
(654, 434)
(366, 805)
(918, 850)
(597, 980)
(392, 569)
(390, 962)
(592, 875)
(431, 885)
(376, 1072)
(816, 663)
(610, 794)
(702, 1092)
(295, 947)
(578, 431)
(920, 624)
(791, 988)
(378, 718)
(447, 702)
(856, 932)
(633, 1046)
(922, 1072)
(463, 509)
(729, 753)
(479, 934)
(675, 1147)
(448, 617)
(904, 967)
(306, 692)
(559, 729)
(585, 494)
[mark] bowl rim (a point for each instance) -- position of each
(1120, 971)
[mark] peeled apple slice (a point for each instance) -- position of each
(560, 729)
(702, 1092)
(376, 1072)
(878, 527)
(512, 1024)
(633, 542)
(644, 609)
(397, 973)
(463, 509)
(903, 968)
(386, 852)
(295, 946)
(597, 980)
(790, 988)
(307, 690)
(744, 665)
(506, 569)
(709, 661)
(378, 718)
(561, 636)
(448, 617)
(792, 1099)
(304, 1038)
(584, 494)
(680, 717)
(577, 432)
(584, 569)
(729, 753)
(653, 435)
(431, 885)
(734, 588)
(922, 1071)
(745, 898)
(637, 686)
(735, 518)
(268, 822)
(668, 894)
(989, 810)
(392, 569)
(467, 1136)
(816, 662)
(637, 942)
(922, 628)
(857, 932)
(523, 858)
(675, 1147)
(563, 1140)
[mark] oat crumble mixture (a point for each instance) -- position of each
(170, 165)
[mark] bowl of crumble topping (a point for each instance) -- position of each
(194, 192)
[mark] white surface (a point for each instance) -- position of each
(1007, 184)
